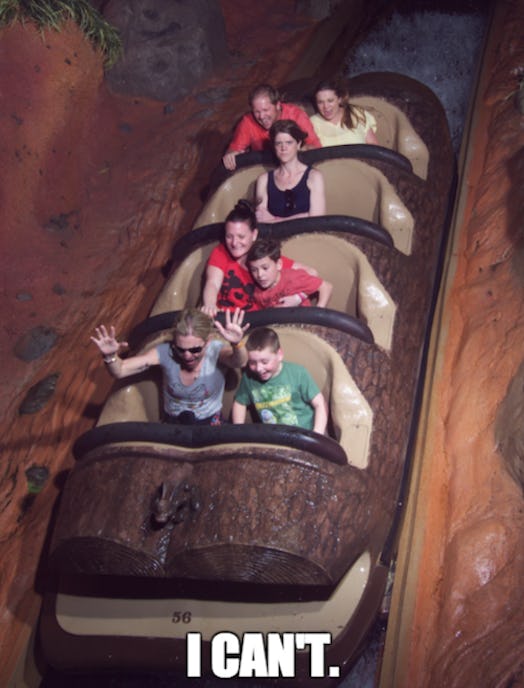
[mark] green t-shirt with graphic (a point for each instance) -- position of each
(285, 398)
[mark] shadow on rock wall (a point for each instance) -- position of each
(168, 46)
(509, 428)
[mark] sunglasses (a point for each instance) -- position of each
(191, 349)
(289, 199)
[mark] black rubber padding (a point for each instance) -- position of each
(199, 436)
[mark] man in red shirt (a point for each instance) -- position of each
(252, 132)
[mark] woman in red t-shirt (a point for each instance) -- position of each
(229, 284)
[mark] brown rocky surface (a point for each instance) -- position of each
(169, 47)
(95, 187)
(458, 616)
(77, 250)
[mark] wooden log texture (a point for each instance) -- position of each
(261, 520)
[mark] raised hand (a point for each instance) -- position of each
(106, 341)
(234, 330)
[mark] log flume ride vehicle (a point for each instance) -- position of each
(268, 529)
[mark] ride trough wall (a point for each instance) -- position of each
(268, 528)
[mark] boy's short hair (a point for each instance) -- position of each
(262, 338)
(263, 248)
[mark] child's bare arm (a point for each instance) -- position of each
(238, 413)
(324, 294)
(321, 413)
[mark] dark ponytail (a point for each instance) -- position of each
(243, 212)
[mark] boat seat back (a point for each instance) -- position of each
(352, 188)
(356, 188)
(225, 197)
(395, 131)
(357, 291)
(350, 416)
(184, 287)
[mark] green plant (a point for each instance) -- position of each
(51, 14)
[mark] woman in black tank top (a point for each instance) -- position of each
(293, 190)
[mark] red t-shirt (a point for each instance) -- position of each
(250, 135)
(290, 282)
(237, 288)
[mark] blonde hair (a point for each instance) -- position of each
(192, 321)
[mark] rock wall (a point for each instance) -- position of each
(169, 47)
(136, 171)
(458, 615)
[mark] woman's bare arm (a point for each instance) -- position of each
(109, 347)
(317, 203)
(262, 212)
(371, 137)
(212, 286)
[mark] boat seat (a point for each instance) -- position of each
(395, 131)
(352, 188)
(357, 291)
(139, 398)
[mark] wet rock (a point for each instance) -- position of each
(168, 46)
(35, 343)
(39, 394)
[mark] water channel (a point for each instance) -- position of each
(439, 46)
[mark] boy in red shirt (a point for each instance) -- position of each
(274, 282)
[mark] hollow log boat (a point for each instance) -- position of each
(163, 529)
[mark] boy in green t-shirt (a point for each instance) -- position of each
(281, 392)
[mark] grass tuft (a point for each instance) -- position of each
(52, 14)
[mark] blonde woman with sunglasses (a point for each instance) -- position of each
(193, 380)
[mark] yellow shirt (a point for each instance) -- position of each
(336, 135)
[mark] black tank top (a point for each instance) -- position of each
(290, 201)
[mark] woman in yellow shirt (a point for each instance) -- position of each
(338, 122)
